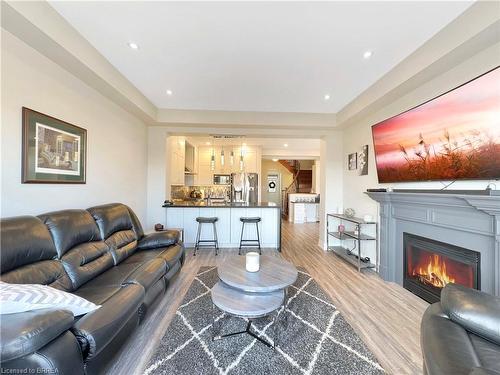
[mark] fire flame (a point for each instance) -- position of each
(434, 273)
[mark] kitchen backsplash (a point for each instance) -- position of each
(182, 192)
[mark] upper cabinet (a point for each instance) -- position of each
(205, 175)
(177, 159)
(191, 165)
(190, 157)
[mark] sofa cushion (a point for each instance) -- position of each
(23, 334)
(117, 229)
(148, 273)
(86, 261)
(46, 272)
(25, 240)
(170, 254)
(137, 227)
(122, 244)
(483, 371)
(145, 274)
(111, 218)
(29, 254)
(98, 294)
(97, 329)
(16, 298)
(488, 353)
(116, 275)
(158, 239)
(476, 311)
(70, 228)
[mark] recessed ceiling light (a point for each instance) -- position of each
(286, 145)
(207, 143)
(367, 54)
(327, 97)
(169, 92)
(275, 160)
(133, 45)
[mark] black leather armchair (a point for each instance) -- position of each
(460, 335)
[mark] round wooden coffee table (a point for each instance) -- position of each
(274, 274)
(252, 295)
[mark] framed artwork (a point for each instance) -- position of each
(363, 161)
(352, 161)
(54, 151)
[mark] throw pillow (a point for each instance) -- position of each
(15, 298)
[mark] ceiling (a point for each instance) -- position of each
(261, 56)
(271, 147)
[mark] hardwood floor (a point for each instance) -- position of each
(385, 315)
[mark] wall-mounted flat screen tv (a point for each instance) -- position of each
(451, 137)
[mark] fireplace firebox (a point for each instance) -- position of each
(429, 265)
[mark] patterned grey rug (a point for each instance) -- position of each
(317, 339)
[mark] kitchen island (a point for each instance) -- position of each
(183, 215)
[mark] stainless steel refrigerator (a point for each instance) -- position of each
(245, 187)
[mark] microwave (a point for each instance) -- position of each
(222, 179)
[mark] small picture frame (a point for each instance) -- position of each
(363, 161)
(352, 161)
(53, 151)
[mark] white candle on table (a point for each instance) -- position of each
(252, 261)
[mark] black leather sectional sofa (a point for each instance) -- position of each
(460, 335)
(100, 254)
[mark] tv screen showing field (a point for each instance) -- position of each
(454, 136)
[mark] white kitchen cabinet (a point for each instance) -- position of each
(228, 225)
(190, 223)
(205, 174)
(250, 161)
(236, 213)
(250, 232)
(175, 218)
(176, 160)
(224, 222)
(312, 212)
(268, 231)
(303, 213)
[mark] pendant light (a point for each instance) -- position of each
(241, 158)
(222, 157)
(212, 160)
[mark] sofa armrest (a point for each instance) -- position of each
(26, 332)
(475, 311)
(97, 329)
(158, 239)
(446, 346)
(483, 371)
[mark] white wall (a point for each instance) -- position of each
(117, 141)
(331, 176)
(360, 134)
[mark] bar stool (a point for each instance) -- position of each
(250, 242)
(210, 243)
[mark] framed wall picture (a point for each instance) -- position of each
(363, 161)
(352, 161)
(54, 151)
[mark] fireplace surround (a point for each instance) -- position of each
(462, 220)
(429, 265)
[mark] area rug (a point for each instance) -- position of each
(317, 339)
